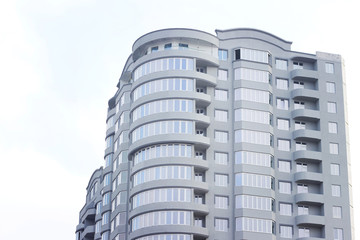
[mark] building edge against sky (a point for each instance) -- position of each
(232, 136)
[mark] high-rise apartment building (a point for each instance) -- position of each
(221, 137)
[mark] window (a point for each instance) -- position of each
(332, 127)
(221, 202)
(162, 127)
(221, 180)
(162, 218)
(98, 227)
(199, 199)
(200, 132)
(250, 115)
(199, 221)
(331, 106)
(329, 68)
(282, 103)
(201, 90)
(285, 209)
(253, 158)
(298, 65)
(161, 195)
(222, 74)
(254, 180)
(337, 212)
(105, 236)
(221, 137)
(163, 85)
(200, 111)
(282, 84)
(302, 188)
(254, 202)
(254, 137)
(335, 190)
(252, 75)
(221, 95)
(105, 218)
(335, 169)
(109, 141)
(284, 145)
(154, 49)
(107, 179)
(163, 64)
(330, 87)
(298, 84)
(284, 166)
(285, 187)
(338, 234)
(301, 167)
(106, 199)
(281, 64)
(223, 54)
(304, 232)
(199, 177)
(183, 45)
(199, 155)
(221, 225)
(252, 95)
(98, 207)
(252, 55)
(162, 173)
(255, 225)
(161, 151)
(303, 210)
(299, 105)
(221, 158)
(300, 125)
(300, 146)
(221, 115)
(283, 124)
(286, 231)
(168, 46)
(108, 160)
(334, 148)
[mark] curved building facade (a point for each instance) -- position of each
(226, 136)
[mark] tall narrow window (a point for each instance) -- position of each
(330, 87)
(282, 84)
(282, 103)
(281, 64)
(337, 212)
(332, 127)
(335, 169)
(223, 54)
(329, 68)
(338, 234)
(334, 148)
(222, 74)
(331, 106)
(335, 191)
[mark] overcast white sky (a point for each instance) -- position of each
(60, 61)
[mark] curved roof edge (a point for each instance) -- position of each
(252, 29)
(171, 29)
(93, 176)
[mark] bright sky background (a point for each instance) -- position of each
(60, 61)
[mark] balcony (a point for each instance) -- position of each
(307, 135)
(310, 220)
(309, 198)
(305, 94)
(304, 74)
(308, 177)
(307, 156)
(89, 231)
(305, 114)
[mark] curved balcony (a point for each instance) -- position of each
(254, 235)
(308, 177)
(307, 135)
(202, 100)
(202, 187)
(184, 229)
(80, 227)
(307, 156)
(310, 220)
(204, 78)
(195, 162)
(310, 238)
(90, 213)
(199, 141)
(305, 94)
(142, 43)
(309, 198)
(304, 74)
(305, 114)
(89, 231)
(160, 206)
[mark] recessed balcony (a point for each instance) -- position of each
(304, 74)
(309, 198)
(308, 177)
(307, 135)
(305, 114)
(310, 220)
(307, 156)
(305, 94)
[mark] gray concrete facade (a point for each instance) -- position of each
(226, 136)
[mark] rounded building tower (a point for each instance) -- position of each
(232, 136)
